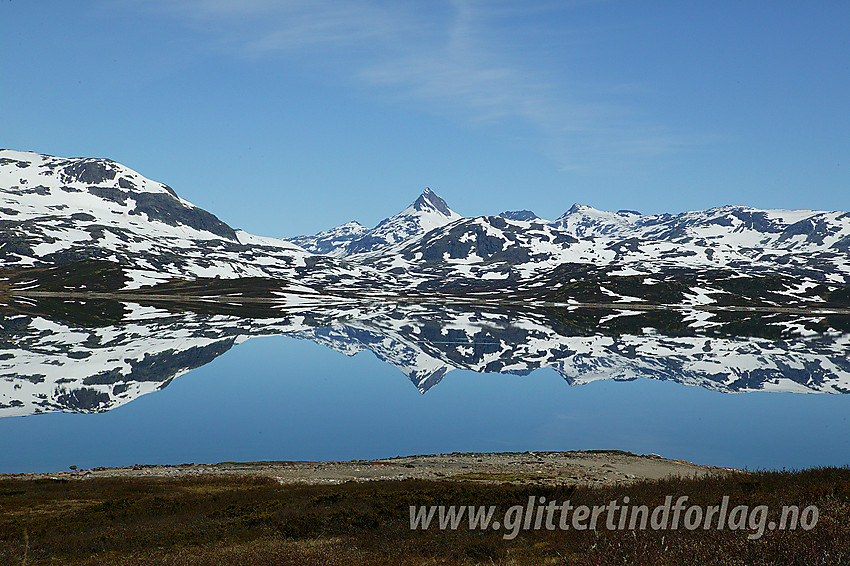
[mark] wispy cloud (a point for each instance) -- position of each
(450, 58)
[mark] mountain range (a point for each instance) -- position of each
(426, 213)
(58, 211)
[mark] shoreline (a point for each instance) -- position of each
(579, 467)
(133, 296)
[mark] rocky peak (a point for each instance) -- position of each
(429, 200)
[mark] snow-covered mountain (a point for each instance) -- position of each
(722, 227)
(450, 251)
(525, 215)
(805, 244)
(426, 213)
(56, 211)
(333, 241)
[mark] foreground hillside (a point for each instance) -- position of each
(257, 521)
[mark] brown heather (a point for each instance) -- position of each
(242, 521)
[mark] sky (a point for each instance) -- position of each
(290, 117)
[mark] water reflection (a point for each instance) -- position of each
(91, 357)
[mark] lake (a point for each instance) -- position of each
(129, 384)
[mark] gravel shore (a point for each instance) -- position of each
(591, 468)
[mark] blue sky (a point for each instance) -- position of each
(289, 117)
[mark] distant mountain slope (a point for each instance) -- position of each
(722, 227)
(92, 225)
(809, 245)
(525, 215)
(439, 249)
(333, 241)
(426, 213)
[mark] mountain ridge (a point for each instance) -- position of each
(427, 212)
(57, 211)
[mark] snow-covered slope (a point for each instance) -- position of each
(427, 246)
(525, 215)
(426, 213)
(584, 221)
(722, 227)
(56, 211)
(333, 241)
(809, 245)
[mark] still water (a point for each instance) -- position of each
(379, 383)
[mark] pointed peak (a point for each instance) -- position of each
(430, 200)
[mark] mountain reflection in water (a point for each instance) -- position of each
(72, 357)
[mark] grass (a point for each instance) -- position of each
(255, 521)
